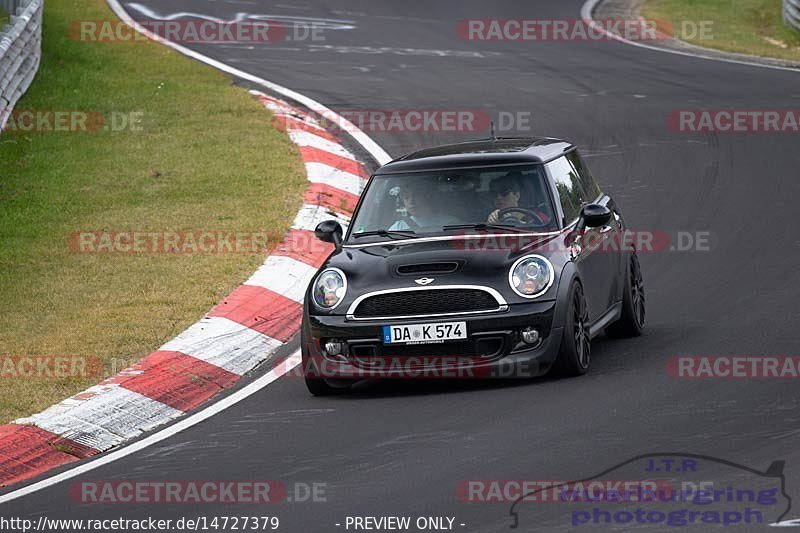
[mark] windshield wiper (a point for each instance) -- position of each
(385, 233)
(485, 226)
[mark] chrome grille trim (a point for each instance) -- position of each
(502, 305)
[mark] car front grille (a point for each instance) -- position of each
(426, 302)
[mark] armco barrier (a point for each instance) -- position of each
(20, 52)
(791, 12)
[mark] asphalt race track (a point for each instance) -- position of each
(402, 448)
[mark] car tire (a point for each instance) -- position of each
(632, 319)
(574, 354)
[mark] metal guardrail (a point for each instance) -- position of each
(20, 52)
(791, 12)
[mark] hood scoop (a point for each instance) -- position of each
(447, 267)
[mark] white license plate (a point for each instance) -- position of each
(424, 333)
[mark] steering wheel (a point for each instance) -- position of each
(528, 215)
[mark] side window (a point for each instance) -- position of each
(588, 183)
(570, 191)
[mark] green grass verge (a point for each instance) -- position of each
(751, 27)
(4, 18)
(208, 158)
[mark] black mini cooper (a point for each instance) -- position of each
(498, 258)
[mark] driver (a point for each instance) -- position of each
(419, 199)
(506, 193)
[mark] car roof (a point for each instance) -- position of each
(499, 151)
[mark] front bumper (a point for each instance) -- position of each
(493, 347)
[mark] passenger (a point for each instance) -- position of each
(419, 199)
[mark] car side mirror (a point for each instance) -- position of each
(329, 231)
(595, 215)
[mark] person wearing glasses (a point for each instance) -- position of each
(506, 193)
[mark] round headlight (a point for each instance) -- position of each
(531, 276)
(329, 288)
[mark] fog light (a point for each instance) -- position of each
(333, 347)
(530, 335)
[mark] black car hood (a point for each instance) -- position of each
(483, 261)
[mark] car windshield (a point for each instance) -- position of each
(402, 206)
